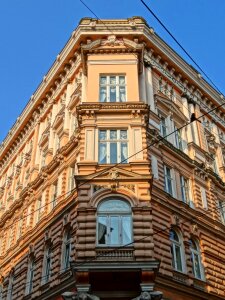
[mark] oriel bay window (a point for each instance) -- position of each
(112, 88)
(113, 146)
(114, 223)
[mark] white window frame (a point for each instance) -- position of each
(66, 250)
(71, 180)
(30, 276)
(47, 265)
(177, 245)
(221, 207)
(196, 258)
(38, 210)
(184, 186)
(169, 179)
(54, 197)
(108, 85)
(163, 126)
(204, 198)
(178, 138)
(108, 142)
(19, 228)
(120, 216)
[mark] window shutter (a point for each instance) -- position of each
(154, 163)
(204, 199)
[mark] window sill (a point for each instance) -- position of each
(65, 274)
(180, 277)
(199, 284)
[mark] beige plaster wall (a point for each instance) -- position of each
(125, 64)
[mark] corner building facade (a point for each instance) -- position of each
(101, 196)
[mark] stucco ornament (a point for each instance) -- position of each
(112, 41)
(143, 296)
(86, 296)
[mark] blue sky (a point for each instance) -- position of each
(32, 33)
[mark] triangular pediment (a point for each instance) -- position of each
(171, 106)
(59, 118)
(114, 174)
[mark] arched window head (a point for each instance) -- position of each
(176, 251)
(114, 223)
(197, 266)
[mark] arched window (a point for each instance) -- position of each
(114, 223)
(66, 249)
(176, 251)
(30, 276)
(197, 267)
(47, 264)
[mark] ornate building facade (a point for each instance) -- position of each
(107, 190)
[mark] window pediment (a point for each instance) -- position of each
(172, 107)
(115, 174)
(58, 120)
(112, 43)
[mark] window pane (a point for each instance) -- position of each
(178, 258)
(197, 266)
(113, 153)
(112, 94)
(102, 94)
(123, 134)
(102, 135)
(169, 184)
(174, 236)
(113, 80)
(67, 256)
(114, 231)
(114, 206)
(102, 153)
(126, 230)
(113, 134)
(102, 230)
(124, 152)
(122, 80)
(122, 94)
(173, 258)
(103, 80)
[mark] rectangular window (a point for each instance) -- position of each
(112, 88)
(163, 127)
(47, 265)
(168, 180)
(71, 181)
(19, 228)
(28, 220)
(178, 139)
(114, 230)
(184, 189)
(204, 199)
(54, 194)
(38, 210)
(30, 277)
(221, 208)
(113, 146)
(154, 164)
